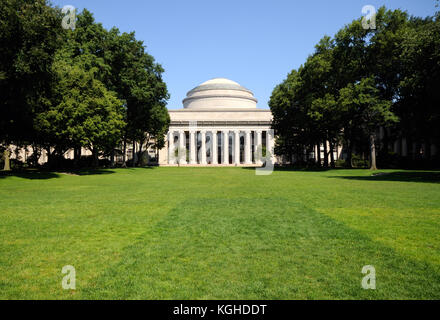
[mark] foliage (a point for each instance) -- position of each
(419, 100)
(29, 37)
(87, 115)
(66, 89)
(361, 81)
(358, 162)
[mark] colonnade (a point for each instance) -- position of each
(214, 151)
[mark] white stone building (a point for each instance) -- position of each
(219, 125)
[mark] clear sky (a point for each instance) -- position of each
(253, 42)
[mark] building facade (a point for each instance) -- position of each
(219, 125)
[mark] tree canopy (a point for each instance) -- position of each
(68, 89)
(359, 82)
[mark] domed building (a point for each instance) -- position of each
(219, 125)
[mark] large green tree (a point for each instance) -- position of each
(85, 114)
(379, 70)
(118, 65)
(88, 87)
(320, 91)
(419, 98)
(288, 117)
(128, 70)
(29, 37)
(137, 80)
(369, 112)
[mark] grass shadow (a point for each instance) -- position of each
(35, 174)
(31, 175)
(90, 172)
(44, 175)
(136, 168)
(402, 176)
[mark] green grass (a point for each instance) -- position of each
(220, 233)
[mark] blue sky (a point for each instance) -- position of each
(255, 43)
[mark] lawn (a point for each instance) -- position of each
(220, 233)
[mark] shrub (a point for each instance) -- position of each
(341, 163)
(358, 162)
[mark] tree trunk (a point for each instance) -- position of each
(124, 154)
(325, 155)
(36, 153)
(349, 161)
(157, 156)
(112, 158)
(139, 158)
(95, 158)
(49, 157)
(373, 152)
(332, 155)
(7, 165)
(76, 156)
(134, 154)
(319, 154)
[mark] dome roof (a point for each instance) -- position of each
(220, 93)
(220, 81)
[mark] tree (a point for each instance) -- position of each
(317, 111)
(304, 108)
(64, 89)
(119, 63)
(419, 96)
(29, 37)
(288, 117)
(319, 88)
(157, 127)
(86, 115)
(324, 111)
(137, 80)
(362, 100)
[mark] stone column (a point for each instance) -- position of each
(182, 147)
(192, 147)
(225, 146)
(237, 147)
(259, 154)
(171, 157)
(203, 148)
(214, 151)
(247, 147)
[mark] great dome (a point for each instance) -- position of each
(220, 93)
